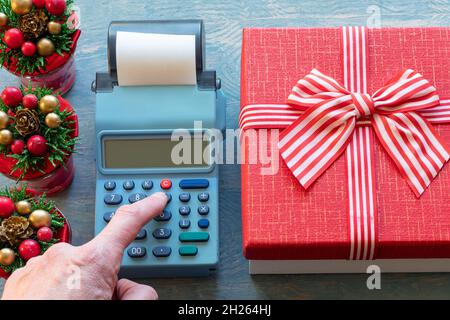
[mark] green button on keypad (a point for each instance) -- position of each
(194, 236)
(188, 251)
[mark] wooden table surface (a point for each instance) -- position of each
(224, 21)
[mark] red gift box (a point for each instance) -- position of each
(284, 221)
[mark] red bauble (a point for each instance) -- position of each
(17, 146)
(14, 38)
(45, 234)
(12, 97)
(29, 49)
(37, 145)
(39, 3)
(55, 7)
(6, 207)
(29, 249)
(30, 101)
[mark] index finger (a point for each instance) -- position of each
(128, 221)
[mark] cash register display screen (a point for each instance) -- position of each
(152, 153)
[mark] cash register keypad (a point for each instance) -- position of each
(192, 207)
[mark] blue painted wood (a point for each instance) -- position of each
(224, 21)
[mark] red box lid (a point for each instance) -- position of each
(283, 221)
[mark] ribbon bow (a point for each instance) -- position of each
(331, 113)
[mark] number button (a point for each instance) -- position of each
(110, 185)
(136, 197)
(169, 197)
(185, 197)
(203, 210)
(185, 223)
(184, 210)
(203, 223)
(137, 252)
(162, 233)
(128, 185)
(203, 197)
(141, 235)
(108, 216)
(113, 199)
(162, 252)
(166, 184)
(147, 185)
(165, 216)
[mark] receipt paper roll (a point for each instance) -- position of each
(145, 59)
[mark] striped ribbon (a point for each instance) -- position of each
(359, 156)
(280, 116)
(323, 120)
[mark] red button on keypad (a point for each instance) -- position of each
(166, 184)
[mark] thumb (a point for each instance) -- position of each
(126, 223)
(129, 290)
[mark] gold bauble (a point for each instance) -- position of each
(52, 120)
(3, 19)
(23, 207)
(48, 104)
(4, 120)
(39, 219)
(6, 137)
(21, 6)
(54, 28)
(45, 47)
(7, 257)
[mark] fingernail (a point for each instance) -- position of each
(161, 195)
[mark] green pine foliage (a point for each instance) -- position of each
(5, 7)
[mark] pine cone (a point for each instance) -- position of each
(14, 230)
(27, 122)
(33, 24)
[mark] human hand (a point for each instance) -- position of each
(94, 266)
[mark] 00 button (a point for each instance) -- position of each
(137, 252)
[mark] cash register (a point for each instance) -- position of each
(157, 84)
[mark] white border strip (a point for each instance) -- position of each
(347, 266)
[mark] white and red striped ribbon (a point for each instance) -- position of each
(281, 116)
(439, 114)
(362, 207)
(322, 119)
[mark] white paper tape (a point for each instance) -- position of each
(155, 59)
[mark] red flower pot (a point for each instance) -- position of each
(52, 179)
(59, 72)
(60, 80)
